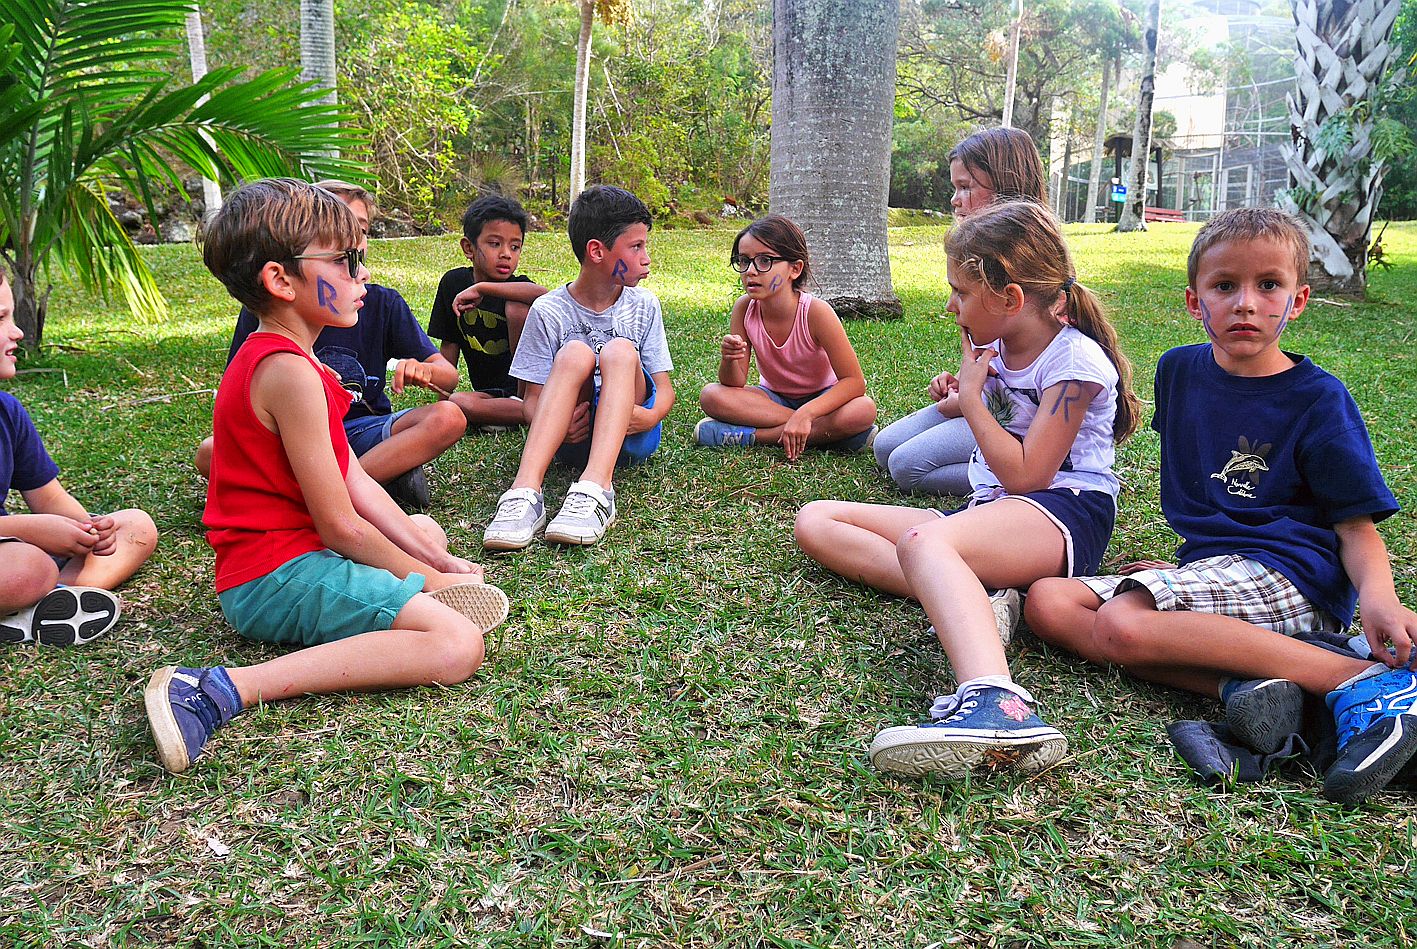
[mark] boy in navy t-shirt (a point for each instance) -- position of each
(1269, 477)
(58, 542)
(479, 311)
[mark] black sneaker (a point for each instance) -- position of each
(66, 616)
(1263, 713)
(410, 490)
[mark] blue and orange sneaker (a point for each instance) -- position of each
(1376, 718)
(712, 433)
(185, 708)
(980, 726)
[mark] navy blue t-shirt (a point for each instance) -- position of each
(386, 330)
(24, 464)
(1264, 467)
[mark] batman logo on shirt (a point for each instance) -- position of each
(1242, 472)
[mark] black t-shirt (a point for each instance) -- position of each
(481, 333)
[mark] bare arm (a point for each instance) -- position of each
(434, 373)
(827, 330)
(735, 354)
(1385, 620)
(373, 503)
(643, 419)
(59, 525)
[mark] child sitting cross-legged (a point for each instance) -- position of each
(812, 390)
(596, 365)
(310, 551)
(1268, 476)
(58, 563)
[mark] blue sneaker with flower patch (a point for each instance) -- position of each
(712, 433)
(1376, 718)
(185, 708)
(979, 727)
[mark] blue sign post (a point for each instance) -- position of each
(1119, 194)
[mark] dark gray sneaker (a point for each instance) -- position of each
(410, 490)
(521, 512)
(1263, 713)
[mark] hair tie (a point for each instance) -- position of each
(1068, 285)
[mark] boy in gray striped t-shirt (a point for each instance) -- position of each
(596, 365)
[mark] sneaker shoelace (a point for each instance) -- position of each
(513, 509)
(944, 707)
(200, 706)
(580, 504)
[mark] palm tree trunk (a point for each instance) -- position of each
(578, 116)
(833, 97)
(317, 45)
(1099, 140)
(197, 53)
(1134, 211)
(1011, 78)
(1335, 178)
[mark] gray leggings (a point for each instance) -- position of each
(927, 453)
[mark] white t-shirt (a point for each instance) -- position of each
(1013, 397)
(556, 318)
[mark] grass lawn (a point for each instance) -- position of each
(666, 745)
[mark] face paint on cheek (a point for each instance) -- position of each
(1205, 319)
(1284, 318)
(620, 270)
(327, 295)
(776, 282)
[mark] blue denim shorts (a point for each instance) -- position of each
(369, 430)
(793, 402)
(637, 447)
(319, 597)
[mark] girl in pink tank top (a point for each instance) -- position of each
(811, 390)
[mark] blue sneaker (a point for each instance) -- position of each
(981, 726)
(1376, 719)
(712, 433)
(1263, 713)
(185, 707)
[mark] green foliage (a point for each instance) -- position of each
(89, 105)
(1399, 200)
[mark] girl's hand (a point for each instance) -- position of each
(942, 385)
(794, 434)
(974, 368)
(734, 347)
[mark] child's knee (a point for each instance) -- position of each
(1122, 636)
(446, 422)
(813, 520)
(574, 356)
(27, 572)
(136, 530)
(619, 354)
(1046, 599)
(457, 651)
(431, 528)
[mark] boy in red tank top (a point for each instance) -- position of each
(310, 551)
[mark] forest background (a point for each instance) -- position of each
(463, 96)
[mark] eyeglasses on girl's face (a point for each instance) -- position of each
(762, 263)
(353, 259)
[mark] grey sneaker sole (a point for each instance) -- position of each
(482, 603)
(1264, 717)
(1008, 607)
(563, 535)
(915, 752)
(506, 541)
(65, 616)
(171, 749)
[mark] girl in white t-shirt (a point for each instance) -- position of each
(1046, 402)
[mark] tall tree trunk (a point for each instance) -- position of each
(317, 45)
(1134, 211)
(1335, 178)
(1099, 141)
(1011, 76)
(833, 98)
(197, 53)
(578, 116)
(1060, 200)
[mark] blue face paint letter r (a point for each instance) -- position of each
(620, 269)
(325, 292)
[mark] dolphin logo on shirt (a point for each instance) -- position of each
(1242, 472)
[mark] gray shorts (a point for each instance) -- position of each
(1229, 586)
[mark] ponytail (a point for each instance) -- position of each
(1084, 311)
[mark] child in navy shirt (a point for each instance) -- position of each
(58, 542)
(1269, 477)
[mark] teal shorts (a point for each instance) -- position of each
(319, 597)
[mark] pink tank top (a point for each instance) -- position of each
(799, 366)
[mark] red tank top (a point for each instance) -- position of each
(256, 515)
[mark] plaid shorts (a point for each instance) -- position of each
(1230, 586)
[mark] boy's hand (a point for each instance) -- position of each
(437, 581)
(61, 536)
(942, 385)
(107, 536)
(467, 300)
(1390, 623)
(1137, 566)
(794, 434)
(734, 347)
(411, 372)
(579, 428)
(974, 369)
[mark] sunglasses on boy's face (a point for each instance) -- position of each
(353, 259)
(761, 263)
